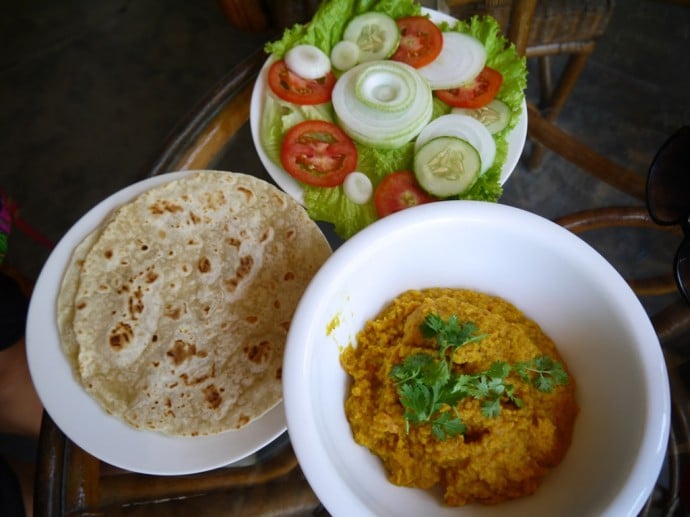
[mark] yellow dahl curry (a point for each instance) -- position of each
(497, 414)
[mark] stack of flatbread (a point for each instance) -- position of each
(175, 311)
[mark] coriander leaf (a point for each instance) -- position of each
(544, 371)
(433, 323)
(437, 373)
(445, 426)
(543, 383)
(510, 393)
(417, 400)
(411, 367)
(450, 334)
(560, 376)
(491, 407)
(499, 369)
(480, 387)
(450, 395)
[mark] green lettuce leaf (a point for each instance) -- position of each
(279, 116)
(323, 203)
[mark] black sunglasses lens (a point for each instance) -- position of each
(681, 267)
(668, 181)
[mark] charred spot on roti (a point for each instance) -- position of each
(173, 312)
(251, 319)
(259, 353)
(279, 201)
(135, 303)
(266, 235)
(242, 421)
(162, 206)
(123, 289)
(290, 234)
(151, 276)
(289, 276)
(195, 219)
(121, 336)
(181, 351)
(212, 396)
(246, 264)
(233, 242)
(108, 254)
(204, 265)
(214, 200)
(243, 270)
(279, 374)
(248, 194)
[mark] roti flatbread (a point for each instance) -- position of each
(184, 299)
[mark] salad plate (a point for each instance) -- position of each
(82, 419)
(516, 137)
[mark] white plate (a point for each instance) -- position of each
(81, 418)
(516, 138)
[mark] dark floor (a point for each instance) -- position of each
(90, 90)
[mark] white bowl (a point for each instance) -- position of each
(597, 322)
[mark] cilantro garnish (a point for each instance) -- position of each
(542, 372)
(430, 388)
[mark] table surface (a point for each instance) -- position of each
(217, 136)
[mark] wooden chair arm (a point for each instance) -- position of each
(551, 136)
(598, 218)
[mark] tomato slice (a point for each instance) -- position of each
(291, 87)
(397, 191)
(318, 153)
(420, 41)
(477, 93)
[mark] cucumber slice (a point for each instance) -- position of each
(345, 55)
(495, 115)
(446, 166)
(465, 128)
(376, 34)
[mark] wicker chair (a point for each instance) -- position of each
(557, 27)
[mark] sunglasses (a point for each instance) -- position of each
(668, 198)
